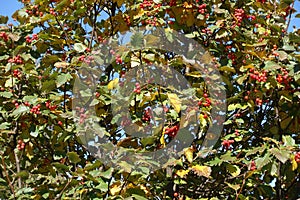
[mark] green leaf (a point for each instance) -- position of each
(103, 186)
(79, 47)
(34, 132)
(20, 110)
(62, 79)
(60, 166)
(73, 157)
(280, 154)
(107, 174)
(6, 94)
(261, 162)
(3, 19)
(215, 162)
(232, 107)
(4, 125)
(138, 197)
(270, 65)
(136, 40)
(288, 48)
(274, 169)
(288, 140)
(233, 170)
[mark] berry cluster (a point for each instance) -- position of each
(147, 115)
(52, 12)
(82, 115)
(145, 4)
(118, 57)
(239, 14)
(297, 157)
(202, 8)
(207, 31)
(125, 121)
(21, 145)
(15, 103)
(252, 165)
(172, 131)
(137, 88)
(172, 3)
(260, 77)
(30, 39)
(283, 78)
(4, 36)
(36, 109)
(152, 22)
(207, 102)
(16, 60)
(251, 17)
(17, 73)
(35, 11)
(127, 20)
(50, 107)
(60, 123)
(227, 143)
(258, 101)
(86, 59)
(261, 1)
(231, 56)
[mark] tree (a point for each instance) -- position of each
(45, 152)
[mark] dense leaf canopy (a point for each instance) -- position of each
(54, 44)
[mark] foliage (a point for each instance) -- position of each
(257, 155)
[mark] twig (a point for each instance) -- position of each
(290, 17)
(18, 169)
(60, 194)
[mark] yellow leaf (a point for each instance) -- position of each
(61, 64)
(181, 173)
(115, 188)
(162, 139)
(189, 154)
(202, 170)
(190, 19)
(112, 84)
(175, 102)
(294, 163)
(29, 150)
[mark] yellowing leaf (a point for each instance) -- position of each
(235, 187)
(175, 102)
(181, 173)
(202, 170)
(112, 84)
(189, 154)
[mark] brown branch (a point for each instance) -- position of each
(7, 177)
